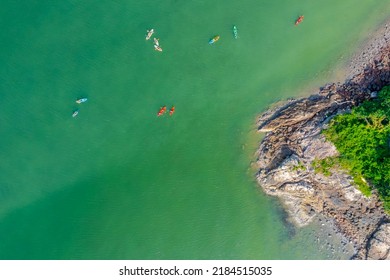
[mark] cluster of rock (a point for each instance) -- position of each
(294, 140)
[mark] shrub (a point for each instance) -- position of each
(362, 138)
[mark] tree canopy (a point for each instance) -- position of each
(362, 138)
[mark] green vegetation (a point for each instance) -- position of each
(324, 165)
(299, 167)
(362, 138)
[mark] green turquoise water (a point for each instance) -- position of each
(116, 182)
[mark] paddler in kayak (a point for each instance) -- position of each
(81, 100)
(235, 32)
(163, 109)
(214, 39)
(150, 33)
(299, 20)
(172, 111)
(156, 41)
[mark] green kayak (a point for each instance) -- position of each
(235, 32)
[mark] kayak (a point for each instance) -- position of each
(162, 110)
(150, 33)
(235, 32)
(81, 100)
(299, 20)
(156, 41)
(214, 39)
(172, 111)
(157, 48)
(75, 113)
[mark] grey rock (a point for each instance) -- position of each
(294, 140)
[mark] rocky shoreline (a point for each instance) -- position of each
(294, 140)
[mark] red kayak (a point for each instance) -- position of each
(162, 111)
(299, 20)
(172, 110)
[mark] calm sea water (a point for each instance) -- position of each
(119, 183)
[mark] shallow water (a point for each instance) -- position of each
(119, 183)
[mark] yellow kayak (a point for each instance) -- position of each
(214, 39)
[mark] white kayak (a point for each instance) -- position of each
(81, 100)
(150, 33)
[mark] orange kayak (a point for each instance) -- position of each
(162, 111)
(172, 110)
(299, 20)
